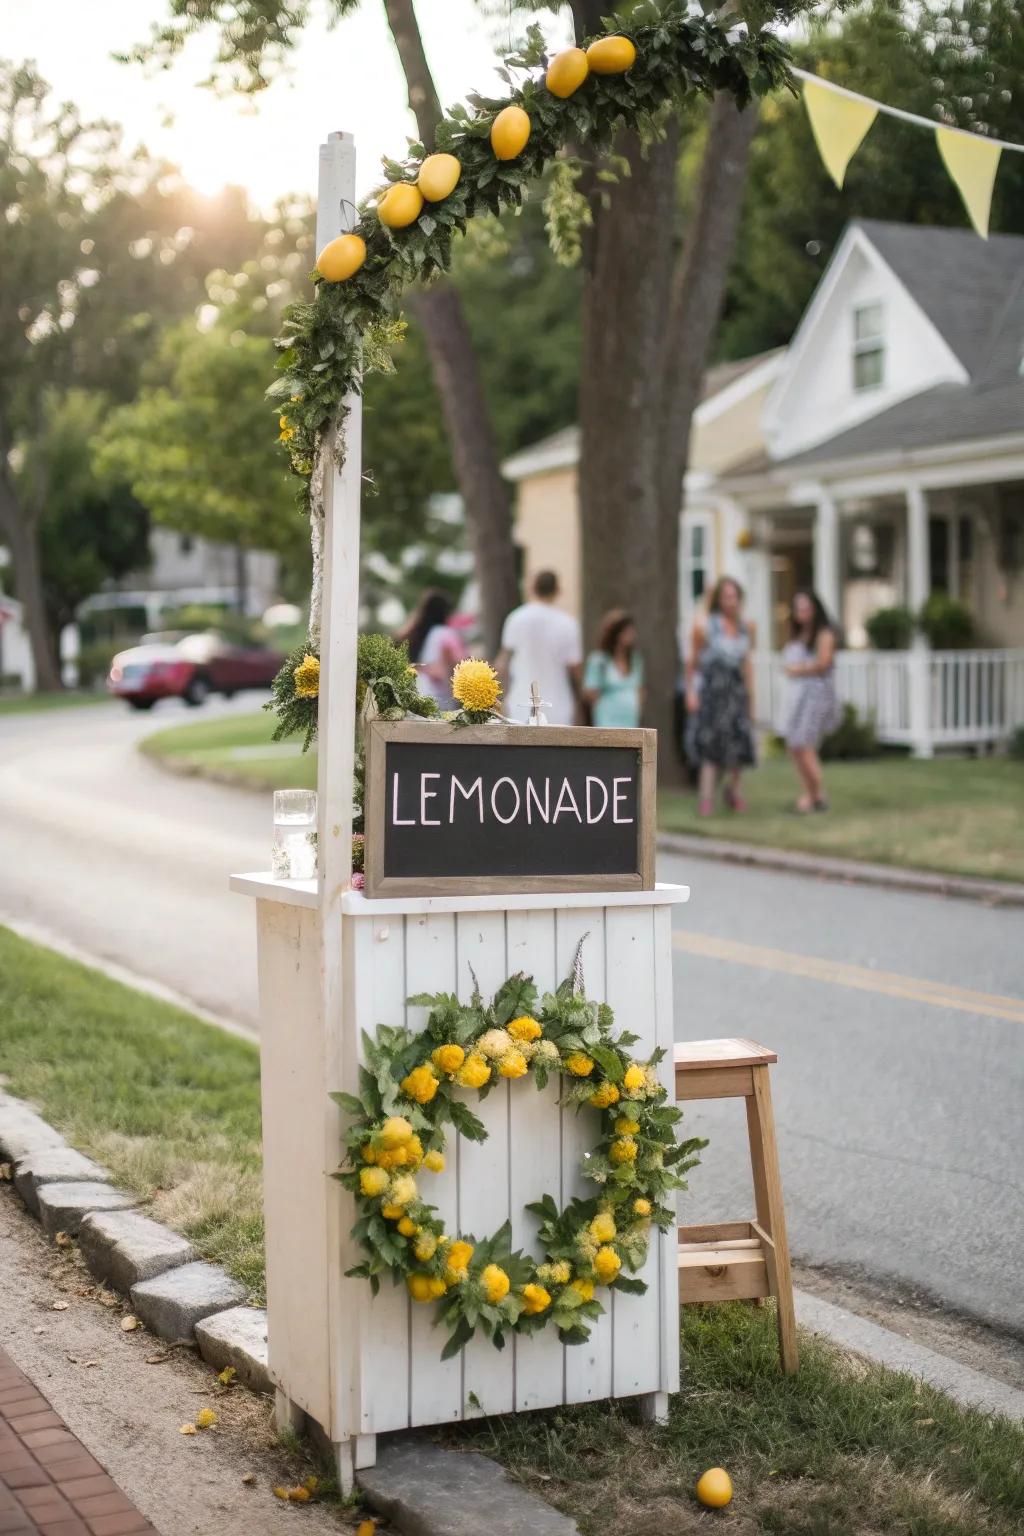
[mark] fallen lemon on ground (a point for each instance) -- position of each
(715, 1488)
(341, 258)
(400, 206)
(567, 72)
(439, 176)
(509, 132)
(611, 55)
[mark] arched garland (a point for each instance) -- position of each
(350, 324)
(409, 1089)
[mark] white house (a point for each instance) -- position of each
(880, 457)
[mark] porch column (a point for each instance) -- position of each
(826, 553)
(918, 580)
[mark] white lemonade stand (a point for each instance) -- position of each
(335, 963)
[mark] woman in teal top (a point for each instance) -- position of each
(613, 682)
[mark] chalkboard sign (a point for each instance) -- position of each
(505, 808)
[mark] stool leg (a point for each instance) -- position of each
(771, 1216)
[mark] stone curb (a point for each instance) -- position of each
(993, 893)
(171, 1291)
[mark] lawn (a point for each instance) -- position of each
(962, 816)
(171, 1105)
(31, 703)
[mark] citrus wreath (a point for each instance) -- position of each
(408, 1095)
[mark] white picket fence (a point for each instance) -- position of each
(918, 698)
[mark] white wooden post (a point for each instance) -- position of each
(918, 584)
(826, 553)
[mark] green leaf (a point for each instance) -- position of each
(461, 1336)
(466, 1122)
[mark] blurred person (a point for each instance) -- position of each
(541, 644)
(719, 696)
(814, 709)
(435, 645)
(613, 680)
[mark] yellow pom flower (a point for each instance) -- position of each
(434, 1161)
(607, 1265)
(307, 678)
(635, 1078)
(555, 1274)
(373, 1181)
(426, 1247)
(604, 1096)
(546, 1051)
(395, 1132)
(368, 1153)
(641, 1207)
(495, 1283)
(624, 1126)
(495, 1043)
(623, 1150)
(579, 1064)
(421, 1084)
(524, 1028)
(205, 1418)
(413, 1150)
(603, 1227)
(585, 1289)
(458, 1257)
(448, 1058)
(425, 1287)
(536, 1300)
(474, 1071)
(392, 1212)
(513, 1065)
(475, 685)
(408, 1227)
(403, 1190)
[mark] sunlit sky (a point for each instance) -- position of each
(345, 78)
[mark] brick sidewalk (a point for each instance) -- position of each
(49, 1484)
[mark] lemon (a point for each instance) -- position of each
(401, 205)
(439, 175)
(611, 55)
(567, 72)
(715, 1488)
(341, 258)
(509, 132)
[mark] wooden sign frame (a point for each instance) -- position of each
(380, 732)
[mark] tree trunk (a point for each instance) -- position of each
(241, 579)
(457, 377)
(21, 534)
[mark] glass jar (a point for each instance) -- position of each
(293, 854)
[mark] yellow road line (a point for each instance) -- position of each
(914, 989)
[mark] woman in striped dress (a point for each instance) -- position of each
(814, 708)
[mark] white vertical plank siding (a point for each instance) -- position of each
(588, 1367)
(435, 1391)
(536, 1165)
(668, 1310)
(629, 935)
(483, 1167)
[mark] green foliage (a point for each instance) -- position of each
(1016, 747)
(890, 629)
(383, 670)
(946, 623)
(852, 738)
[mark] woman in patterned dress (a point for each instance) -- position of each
(814, 708)
(719, 695)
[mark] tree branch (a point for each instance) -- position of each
(423, 97)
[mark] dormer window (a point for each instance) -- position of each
(868, 347)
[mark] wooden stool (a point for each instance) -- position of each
(740, 1260)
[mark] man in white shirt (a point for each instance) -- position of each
(540, 643)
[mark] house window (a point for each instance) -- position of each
(868, 347)
(696, 559)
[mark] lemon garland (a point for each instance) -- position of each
(410, 1089)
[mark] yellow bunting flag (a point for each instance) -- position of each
(972, 162)
(839, 123)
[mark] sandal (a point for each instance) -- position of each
(820, 805)
(735, 801)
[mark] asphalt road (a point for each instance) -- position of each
(898, 1018)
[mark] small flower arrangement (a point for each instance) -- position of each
(476, 687)
(383, 673)
(407, 1097)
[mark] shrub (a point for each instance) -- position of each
(890, 629)
(1016, 744)
(946, 623)
(853, 737)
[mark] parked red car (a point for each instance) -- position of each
(190, 669)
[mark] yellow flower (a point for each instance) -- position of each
(513, 1065)
(425, 1287)
(641, 1207)
(434, 1161)
(408, 1227)
(403, 1190)
(413, 1150)
(607, 1265)
(555, 1274)
(546, 1051)
(373, 1181)
(395, 1132)
(205, 1418)
(524, 1028)
(448, 1058)
(307, 678)
(624, 1126)
(604, 1095)
(368, 1153)
(635, 1078)
(623, 1150)
(585, 1289)
(421, 1084)
(474, 1071)
(426, 1247)
(458, 1257)
(495, 1283)
(579, 1065)
(537, 1299)
(603, 1227)
(475, 685)
(495, 1043)
(287, 431)
(392, 1212)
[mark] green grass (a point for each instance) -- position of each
(210, 748)
(32, 703)
(840, 1449)
(169, 1104)
(962, 816)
